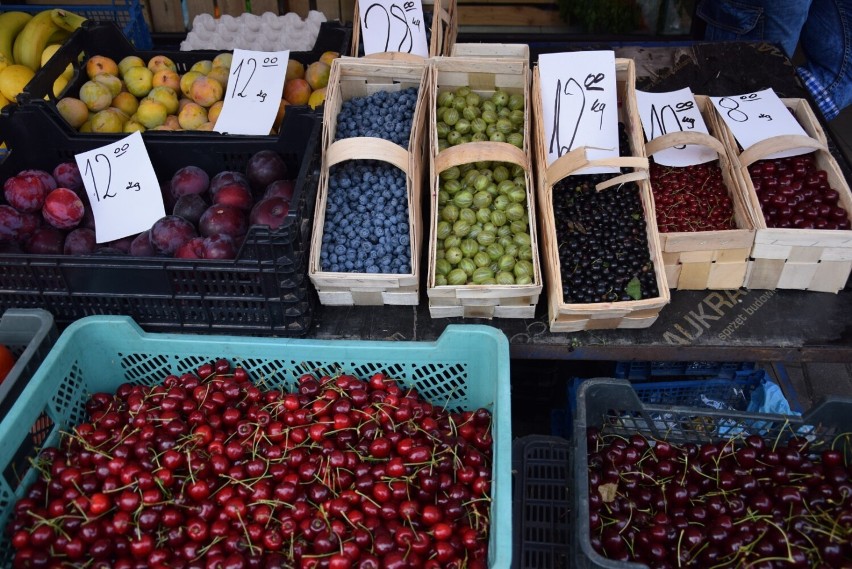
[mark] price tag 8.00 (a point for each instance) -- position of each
(580, 104)
(255, 84)
(123, 189)
(393, 25)
(662, 113)
(757, 116)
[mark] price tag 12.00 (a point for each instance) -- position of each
(757, 116)
(393, 25)
(662, 113)
(578, 90)
(123, 189)
(255, 84)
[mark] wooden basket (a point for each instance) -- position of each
(358, 78)
(483, 76)
(708, 259)
(565, 317)
(492, 50)
(445, 27)
(799, 259)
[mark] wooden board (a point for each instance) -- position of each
(166, 16)
(544, 15)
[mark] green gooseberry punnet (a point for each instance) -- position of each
(453, 255)
(457, 277)
(450, 213)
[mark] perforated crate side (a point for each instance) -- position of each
(651, 370)
(466, 368)
(542, 519)
(29, 334)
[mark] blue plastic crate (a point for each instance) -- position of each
(127, 14)
(734, 392)
(648, 371)
(466, 368)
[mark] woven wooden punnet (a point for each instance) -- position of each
(483, 76)
(359, 78)
(605, 315)
(491, 50)
(801, 259)
(708, 259)
(445, 27)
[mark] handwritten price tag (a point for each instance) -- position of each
(757, 116)
(662, 113)
(123, 189)
(580, 104)
(394, 25)
(254, 92)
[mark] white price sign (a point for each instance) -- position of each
(255, 84)
(393, 25)
(580, 105)
(123, 189)
(662, 113)
(757, 116)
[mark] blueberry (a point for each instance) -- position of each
(349, 265)
(372, 269)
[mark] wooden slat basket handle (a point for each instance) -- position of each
(368, 148)
(485, 151)
(679, 138)
(395, 56)
(775, 144)
(577, 159)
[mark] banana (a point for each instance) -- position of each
(33, 39)
(11, 24)
(66, 20)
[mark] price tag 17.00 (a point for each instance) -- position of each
(580, 105)
(393, 25)
(662, 113)
(255, 84)
(757, 116)
(123, 189)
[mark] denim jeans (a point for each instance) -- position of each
(823, 26)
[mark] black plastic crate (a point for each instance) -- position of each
(542, 500)
(655, 370)
(105, 38)
(265, 290)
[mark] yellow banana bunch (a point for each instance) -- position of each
(11, 24)
(43, 29)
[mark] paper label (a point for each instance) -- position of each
(123, 190)
(757, 116)
(578, 90)
(662, 113)
(394, 25)
(253, 96)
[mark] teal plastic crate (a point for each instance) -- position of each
(466, 368)
(127, 14)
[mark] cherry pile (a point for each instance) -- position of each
(208, 470)
(692, 198)
(793, 193)
(740, 502)
(603, 243)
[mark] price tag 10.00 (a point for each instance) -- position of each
(662, 113)
(393, 25)
(255, 84)
(580, 105)
(123, 189)
(757, 116)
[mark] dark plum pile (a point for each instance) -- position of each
(366, 226)
(366, 220)
(380, 115)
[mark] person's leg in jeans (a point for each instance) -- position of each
(827, 44)
(777, 21)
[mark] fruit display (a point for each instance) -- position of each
(464, 115)
(306, 84)
(208, 469)
(483, 233)
(367, 224)
(26, 43)
(691, 198)
(741, 501)
(794, 193)
(49, 213)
